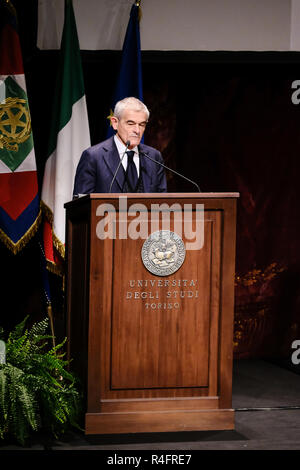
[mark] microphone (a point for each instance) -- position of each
(121, 159)
(170, 169)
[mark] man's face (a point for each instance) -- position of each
(130, 127)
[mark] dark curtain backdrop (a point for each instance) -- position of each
(233, 127)
(225, 120)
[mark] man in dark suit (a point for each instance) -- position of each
(137, 173)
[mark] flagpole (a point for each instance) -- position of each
(11, 6)
(50, 315)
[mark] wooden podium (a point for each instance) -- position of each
(154, 352)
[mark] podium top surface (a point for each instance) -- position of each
(86, 197)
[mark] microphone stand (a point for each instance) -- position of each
(121, 159)
(170, 169)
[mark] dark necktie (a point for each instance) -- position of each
(131, 173)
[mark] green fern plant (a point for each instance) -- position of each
(37, 392)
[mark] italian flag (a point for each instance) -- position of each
(19, 200)
(69, 137)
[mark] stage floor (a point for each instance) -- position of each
(266, 398)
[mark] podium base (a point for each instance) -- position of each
(162, 421)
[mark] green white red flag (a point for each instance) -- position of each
(69, 137)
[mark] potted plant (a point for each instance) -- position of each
(37, 391)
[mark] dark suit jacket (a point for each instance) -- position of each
(98, 164)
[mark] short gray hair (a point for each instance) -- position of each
(130, 103)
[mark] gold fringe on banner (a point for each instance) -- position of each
(17, 247)
(55, 269)
(59, 246)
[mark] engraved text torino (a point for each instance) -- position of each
(157, 298)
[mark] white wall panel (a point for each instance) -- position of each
(254, 25)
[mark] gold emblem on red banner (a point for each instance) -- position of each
(15, 124)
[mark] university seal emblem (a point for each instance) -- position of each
(163, 253)
(15, 124)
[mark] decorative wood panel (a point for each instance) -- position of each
(155, 344)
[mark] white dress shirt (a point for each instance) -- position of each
(121, 149)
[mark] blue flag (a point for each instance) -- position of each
(129, 82)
